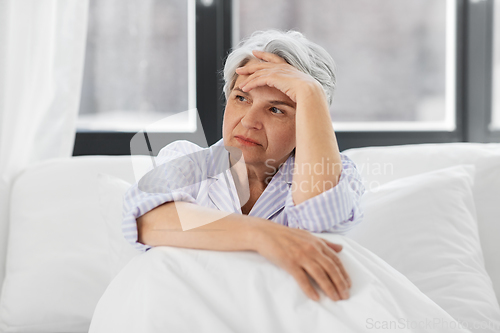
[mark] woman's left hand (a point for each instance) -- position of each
(275, 72)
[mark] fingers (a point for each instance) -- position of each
(253, 72)
(318, 274)
(280, 79)
(252, 68)
(301, 277)
(257, 80)
(331, 255)
(307, 257)
(335, 247)
(335, 275)
(328, 273)
(270, 61)
(274, 72)
(269, 57)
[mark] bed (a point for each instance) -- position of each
(425, 258)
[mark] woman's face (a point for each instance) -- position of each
(261, 123)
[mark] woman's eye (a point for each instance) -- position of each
(241, 98)
(276, 110)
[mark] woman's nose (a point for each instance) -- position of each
(252, 118)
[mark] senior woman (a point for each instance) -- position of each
(277, 175)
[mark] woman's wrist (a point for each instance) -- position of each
(255, 230)
(260, 230)
(311, 92)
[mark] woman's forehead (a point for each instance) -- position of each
(263, 92)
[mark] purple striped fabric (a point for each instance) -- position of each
(187, 172)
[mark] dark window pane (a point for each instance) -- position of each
(136, 67)
(394, 57)
(496, 67)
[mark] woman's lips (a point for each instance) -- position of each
(246, 141)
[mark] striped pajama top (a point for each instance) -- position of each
(186, 172)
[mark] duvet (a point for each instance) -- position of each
(177, 290)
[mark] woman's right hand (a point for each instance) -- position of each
(299, 252)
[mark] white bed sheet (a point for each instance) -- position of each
(184, 290)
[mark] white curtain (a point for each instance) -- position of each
(42, 49)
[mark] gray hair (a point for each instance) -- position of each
(292, 46)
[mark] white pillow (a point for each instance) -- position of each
(424, 226)
(58, 263)
(379, 165)
(111, 192)
(487, 199)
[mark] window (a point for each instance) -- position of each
(395, 58)
(409, 71)
(139, 66)
(495, 123)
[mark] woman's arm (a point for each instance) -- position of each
(317, 154)
(219, 230)
(296, 251)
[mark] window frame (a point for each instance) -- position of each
(474, 62)
(479, 75)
